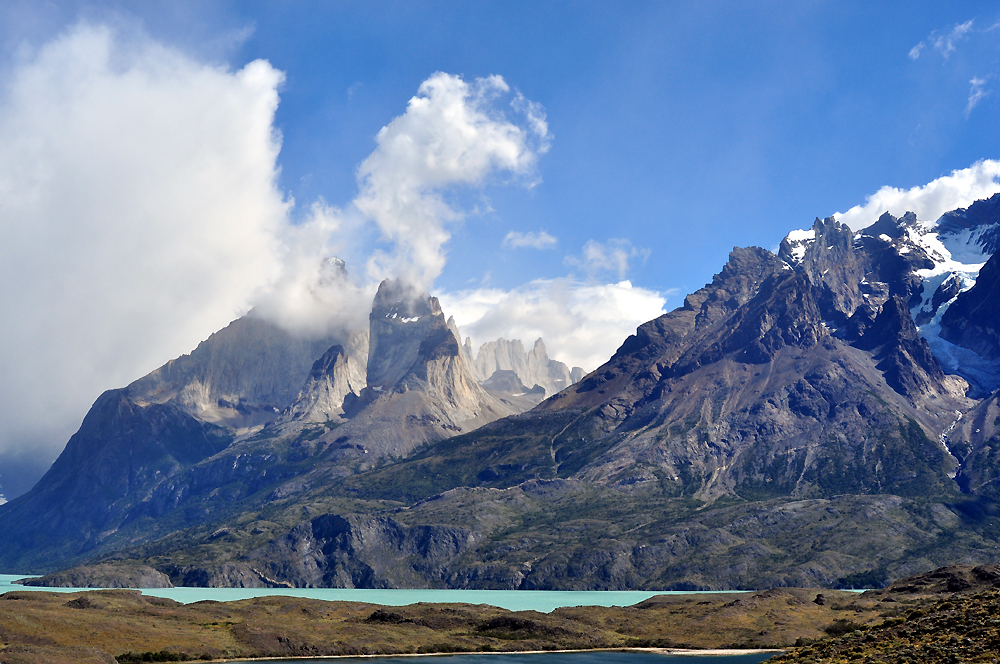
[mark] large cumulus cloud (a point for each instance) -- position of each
(453, 134)
(139, 210)
(960, 188)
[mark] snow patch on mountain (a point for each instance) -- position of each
(798, 241)
(958, 256)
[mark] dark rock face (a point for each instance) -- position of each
(117, 459)
(890, 226)
(401, 322)
(946, 580)
(891, 261)
(226, 575)
(973, 319)
(361, 552)
(903, 357)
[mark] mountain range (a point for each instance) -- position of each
(823, 415)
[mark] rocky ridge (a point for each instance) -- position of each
(810, 417)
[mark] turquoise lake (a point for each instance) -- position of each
(512, 600)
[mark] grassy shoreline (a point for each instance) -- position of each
(933, 617)
(97, 626)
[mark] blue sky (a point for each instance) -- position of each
(685, 127)
(674, 132)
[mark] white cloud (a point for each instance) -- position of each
(945, 44)
(959, 189)
(451, 135)
(314, 295)
(976, 93)
(582, 324)
(139, 212)
(539, 240)
(611, 257)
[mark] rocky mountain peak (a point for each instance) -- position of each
(400, 302)
(401, 322)
(825, 240)
(890, 226)
(332, 270)
(977, 225)
(333, 377)
(826, 254)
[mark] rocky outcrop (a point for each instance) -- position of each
(225, 575)
(964, 579)
(106, 575)
(419, 387)
(401, 322)
(973, 319)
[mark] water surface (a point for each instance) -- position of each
(513, 600)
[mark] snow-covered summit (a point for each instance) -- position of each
(796, 243)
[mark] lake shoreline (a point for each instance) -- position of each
(40, 625)
(544, 601)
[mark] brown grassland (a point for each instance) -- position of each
(949, 615)
(98, 626)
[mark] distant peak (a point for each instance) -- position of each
(331, 271)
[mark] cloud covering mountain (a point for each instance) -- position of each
(142, 211)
